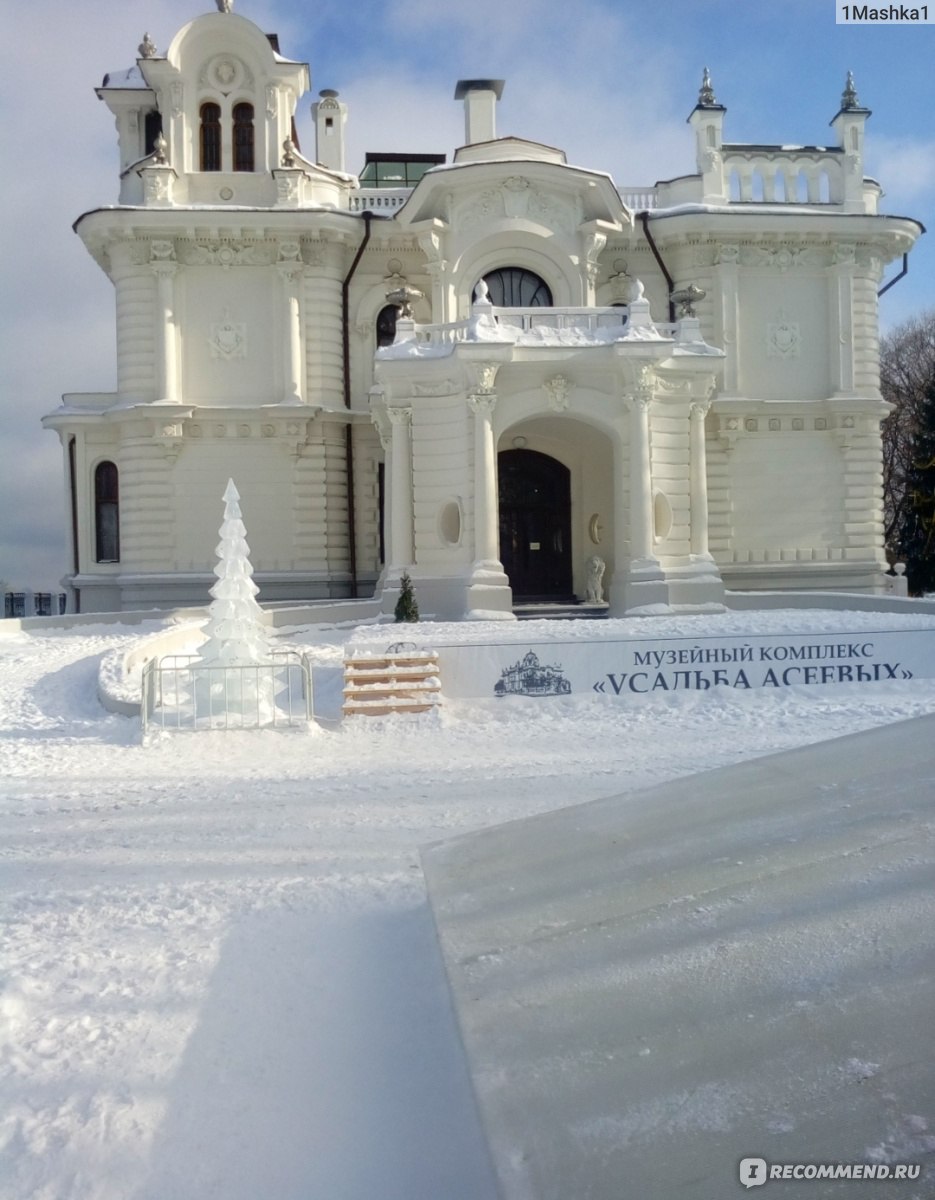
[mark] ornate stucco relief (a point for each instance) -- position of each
(228, 339)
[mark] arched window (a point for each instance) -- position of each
(243, 137)
(106, 514)
(513, 287)
(210, 137)
(152, 127)
(386, 325)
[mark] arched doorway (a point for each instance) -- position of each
(535, 525)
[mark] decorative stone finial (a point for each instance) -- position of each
(687, 298)
(482, 292)
(288, 153)
(849, 100)
(147, 47)
(706, 97)
(225, 5)
(160, 146)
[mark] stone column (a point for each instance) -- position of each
(294, 391)
(641, 484)
(726, 272)
(166, 347)
(401, 510)
(486, 529)
(841, 318)
(698, 470)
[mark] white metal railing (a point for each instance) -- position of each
(182, 692)
(378, 199)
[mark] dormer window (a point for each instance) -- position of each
(211, 137)
(243, 137)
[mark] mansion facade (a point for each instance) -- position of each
(486, 371)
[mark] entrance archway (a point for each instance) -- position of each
(535, 525)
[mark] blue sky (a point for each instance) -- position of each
(610, 81)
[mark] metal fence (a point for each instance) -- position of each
(182, 692)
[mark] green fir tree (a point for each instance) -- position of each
(406, 607)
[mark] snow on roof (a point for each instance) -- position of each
(132, 77)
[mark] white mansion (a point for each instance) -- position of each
(486, 371)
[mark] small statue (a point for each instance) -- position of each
(594, 585)
(849, 98)
(706, 97)
(160, 146)
(225, 5)
(147, 47)
(288, 153)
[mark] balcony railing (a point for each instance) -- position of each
(385, 200)
(590, 324)
(776, 175)
(389, 200)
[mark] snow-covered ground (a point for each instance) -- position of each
(218, 973)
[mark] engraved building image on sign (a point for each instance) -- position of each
(529, 677)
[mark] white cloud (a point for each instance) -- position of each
(907, 168)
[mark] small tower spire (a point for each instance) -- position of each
(849, 100)
(706, 96)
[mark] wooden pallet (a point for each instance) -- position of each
(376, 686)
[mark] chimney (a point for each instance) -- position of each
(330, 116)
(480, 98)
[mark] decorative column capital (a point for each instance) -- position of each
(164, 270)
(639, 401)
(401, 415)
(482, 404)
(289, 272)
(699, 409)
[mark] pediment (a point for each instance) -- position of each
(545, 193)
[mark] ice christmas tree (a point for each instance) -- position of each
(236, 637)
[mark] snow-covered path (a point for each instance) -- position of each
(218, 973)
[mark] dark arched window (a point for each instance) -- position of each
(386, 325)
(512, 287)
(243, 137)
(106, 514)
(210, 137)
(152, 127)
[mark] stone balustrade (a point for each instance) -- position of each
(583, 320)
(784, 175)
(638, 198)
(385, 200)
(595, 323)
